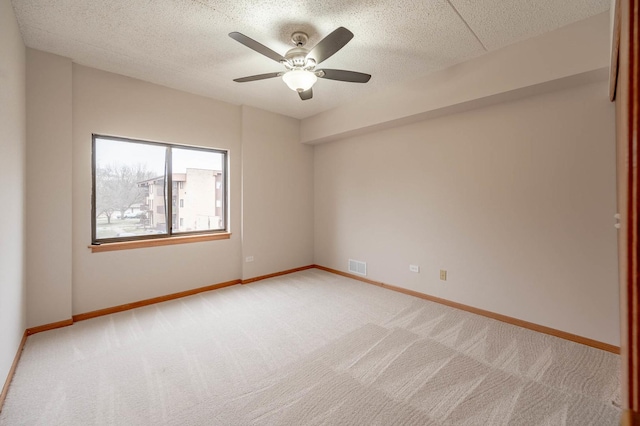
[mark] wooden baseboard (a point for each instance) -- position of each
(146, 302)
(126, 307)
(630, 418)
(353, 276)
(51, 326)
(154, 300)
(12, 370)
(504, 318)
(159, 299)
(277, 274)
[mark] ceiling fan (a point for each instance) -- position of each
(300, 63)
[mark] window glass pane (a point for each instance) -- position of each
(197, 183)
(130, 189)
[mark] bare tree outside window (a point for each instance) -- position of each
(120, 166)
(118, 189)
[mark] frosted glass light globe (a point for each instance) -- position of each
(299, 80)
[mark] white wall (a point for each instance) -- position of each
(49, 213)
(111, 104)
(277, 194)
(12, 176)
(515, 201)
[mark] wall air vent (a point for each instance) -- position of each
(357, 267)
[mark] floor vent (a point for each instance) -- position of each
(357, 267)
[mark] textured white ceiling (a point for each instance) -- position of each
(184, 43)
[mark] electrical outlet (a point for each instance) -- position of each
(249, 259)
(414, 268)
(443, 275)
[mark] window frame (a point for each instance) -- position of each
(170, 234)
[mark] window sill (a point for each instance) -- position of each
(129, 245)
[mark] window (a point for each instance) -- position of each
(131, 177)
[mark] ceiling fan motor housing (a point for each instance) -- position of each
(297, 57)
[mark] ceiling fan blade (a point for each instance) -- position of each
(307, 94)
(330, 44)
(342, 75)
(260, 48)
(257, 77)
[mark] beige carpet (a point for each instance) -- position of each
(308, 348)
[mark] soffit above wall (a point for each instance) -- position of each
(572, 55)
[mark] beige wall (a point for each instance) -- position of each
(69, 102)
(277, 188)
(12, 176)
(49, 213)
(515, 201)
(514, 198)
(111, 104)
(624, 171)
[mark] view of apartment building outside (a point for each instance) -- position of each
(197, 201)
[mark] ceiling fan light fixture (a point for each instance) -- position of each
(299, 80)
(300, 63)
